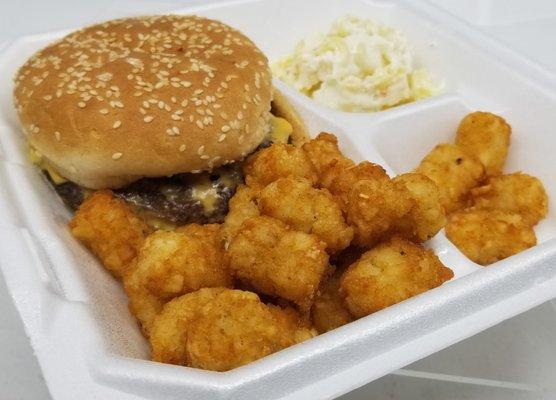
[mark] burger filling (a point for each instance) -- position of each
(180, 199)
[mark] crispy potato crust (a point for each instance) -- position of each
(295, 202)
(454, 172)
(487, 137)
(375, 208)
(328, 311)
(323, 151)
(221, 329)
(174, 263)
(391, 272)
(427, 217)
(339, 178)
(242, 206)
(277, 161)
(519, 193)
(108, 227)
(486, 236)
(279, 261)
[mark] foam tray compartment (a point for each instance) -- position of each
(76, 314)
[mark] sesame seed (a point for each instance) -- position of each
(103, 111)
(201, 150)
(81, 104)
(57, 135)
(221, 138)
(47, 97)
(146, 104)
(161, 104)
(182, 148)
(200, 124)
(225, 128)
(117, 124)
(148, 118)
(176, 117)
(205, 157)
(117, 156)
(176, 130)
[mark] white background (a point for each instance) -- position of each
(515, 360)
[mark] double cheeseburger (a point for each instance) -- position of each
(159, 109)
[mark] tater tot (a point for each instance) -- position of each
(323, 151)
(454, 172)
(278, 161)
(487, 137)
(339, 179)
(517, 192)
(375, 208)
(242, 206)
(328, 311)
(427, 217)
(174, 263)
(304, 208)
(486, 236)
(108, 227)
(221, 329)
(168, 336)
(278, 261)
(391, 272)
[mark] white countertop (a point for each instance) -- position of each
(515, 360)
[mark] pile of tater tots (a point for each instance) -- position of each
(312, 241)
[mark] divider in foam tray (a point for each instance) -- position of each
(76, 314)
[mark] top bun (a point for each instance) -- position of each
(144, 97)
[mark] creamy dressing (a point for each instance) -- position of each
(358, 66)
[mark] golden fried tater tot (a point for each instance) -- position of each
(221, 329)
(235, 329)
(108, 227)
(304, 208)
(277, 161)
(427, 217)
(174, 263)
(486, 236)
(168, 335)
(340, 178)
(242, 206)
(517, 192)
(487, 137)
(279, 261)
(454, 172)
(323, 151)
(328, 311)
(374, 209)
(391, 272)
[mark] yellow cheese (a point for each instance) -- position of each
(38, 159)
(280, 129)
(207, 195)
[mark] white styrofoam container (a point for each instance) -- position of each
(76, 314)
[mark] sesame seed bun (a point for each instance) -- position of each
(144, 97)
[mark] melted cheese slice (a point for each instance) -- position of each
(38, 159)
